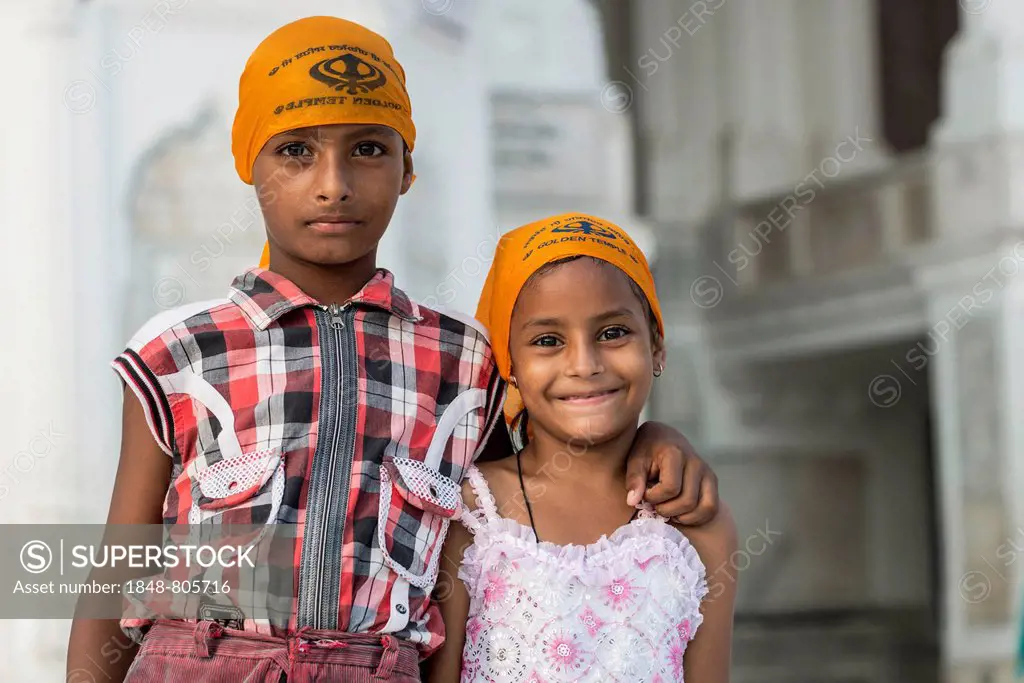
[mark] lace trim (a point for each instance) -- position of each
(637, 541)
(646, 511)
(487, 508)
(470, 519)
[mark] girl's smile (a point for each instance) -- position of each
(590, 398)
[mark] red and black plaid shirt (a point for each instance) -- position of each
(356, 422)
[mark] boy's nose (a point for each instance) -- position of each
(332, 179)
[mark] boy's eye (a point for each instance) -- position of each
(612, 333)
(295, 149)
(369, 149)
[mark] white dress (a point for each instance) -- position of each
(622, 609)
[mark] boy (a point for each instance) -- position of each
(319, 394)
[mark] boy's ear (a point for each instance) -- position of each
(408, 177)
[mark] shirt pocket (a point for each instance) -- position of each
(246, 489)
(417, 503)
(243, 488)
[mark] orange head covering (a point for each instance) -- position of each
(313, 72)
(525, 250)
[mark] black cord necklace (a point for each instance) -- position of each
(526, 499)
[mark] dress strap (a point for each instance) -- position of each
(645, 510)
(487, 508)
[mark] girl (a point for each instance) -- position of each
(568, 583)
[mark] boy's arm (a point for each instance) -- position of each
(665, 468)
(709, 655)
(445, 665)
(97, 647)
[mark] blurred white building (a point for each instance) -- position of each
(833, 183)
(829, 185)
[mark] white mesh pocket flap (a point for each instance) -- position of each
(424, 487)
(235, 479)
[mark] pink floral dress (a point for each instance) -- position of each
(622, 609)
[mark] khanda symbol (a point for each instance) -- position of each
(348, 73)
(587, 228)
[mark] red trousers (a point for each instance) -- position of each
(178, 651)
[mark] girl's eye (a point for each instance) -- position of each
(295, 149)
(369, 149)
(613, 333)
(546, 340)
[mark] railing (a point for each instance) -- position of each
(825, 226)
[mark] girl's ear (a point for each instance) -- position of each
(408, 176)
(659, 355)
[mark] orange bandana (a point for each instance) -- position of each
(525, 250)
(313, 72)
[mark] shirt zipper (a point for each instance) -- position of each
(327, 500)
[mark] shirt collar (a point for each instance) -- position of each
(265, 296)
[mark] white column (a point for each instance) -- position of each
(979, 168)
(35, 189)
(980, 138)
(840, 66)
(561, 139)
(984, 69)
(677, 73)
(765, 101)
(37, 460)
(973, 356)
(34, 193)
(978, 172)
(448, 213)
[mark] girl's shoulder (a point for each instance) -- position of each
(496, 481)
(714, 540)
(498, 469)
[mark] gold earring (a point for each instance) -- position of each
(512, 381)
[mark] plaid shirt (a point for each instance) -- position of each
(356, 422)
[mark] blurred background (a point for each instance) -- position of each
(825, 188)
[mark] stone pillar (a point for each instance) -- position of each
(839, 65)
(559, 135)
(979, 140)
(448, 213)
(978, 205)
(674, 71)
(34, 188)
(37, 460)
(972, 351)
(764, 101)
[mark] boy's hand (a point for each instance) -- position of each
(664, 468)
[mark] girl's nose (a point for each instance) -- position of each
(584, 360)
